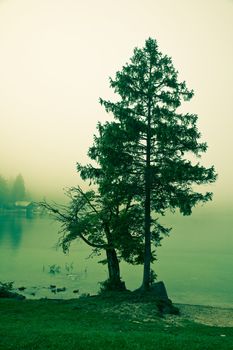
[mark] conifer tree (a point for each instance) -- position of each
(18, 190)
(144, 154)
(4, 192)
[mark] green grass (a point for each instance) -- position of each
(100, 323)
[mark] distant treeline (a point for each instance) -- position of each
(12, 191)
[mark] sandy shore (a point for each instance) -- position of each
(207, 315)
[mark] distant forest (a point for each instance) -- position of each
(12, 191)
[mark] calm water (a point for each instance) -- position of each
(195, 262)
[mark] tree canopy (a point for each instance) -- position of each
(4, 191)
(141, 166)
(12, 192)
(104, 226)
(144, 154)
(18, 190)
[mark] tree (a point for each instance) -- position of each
(4, 192)
(146, 150)
(18, 189)
(101, 225)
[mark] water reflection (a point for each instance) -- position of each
(195, 262)
(11, 229)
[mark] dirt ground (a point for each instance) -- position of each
(145, 312)
(211, 316)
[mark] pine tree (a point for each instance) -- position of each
(4, 192)
(18, 190)
(144, 154)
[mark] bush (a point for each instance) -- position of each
(6, 291)
(111, 285)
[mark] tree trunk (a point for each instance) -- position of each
(115, 282)
(147, 251)
(147, 206)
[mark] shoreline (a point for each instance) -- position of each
(214, 316)
(110, 323)
(202, 314)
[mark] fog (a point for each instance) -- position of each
(55, 60)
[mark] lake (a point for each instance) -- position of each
(195, 262)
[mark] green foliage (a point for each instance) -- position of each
(10, 193)
(54, 269)
(141, 164)
(150, 136)
(4, 192)
(18, 190)
(108, 285)
(5, 289)
(90, 218)
(153, 276)
(69, 267)
(83, 218)
(143, 155)
(101, 222)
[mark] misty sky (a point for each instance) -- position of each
(55, 60)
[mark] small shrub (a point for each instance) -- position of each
(153, 276)
(111, 285)
(69, 267)
(53, 269)
(5, 289)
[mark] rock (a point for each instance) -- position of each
(159, 290)
(164, 304)
(21, 288)
(166, 307)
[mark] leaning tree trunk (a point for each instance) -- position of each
(114, 281)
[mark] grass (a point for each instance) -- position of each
(99, 323)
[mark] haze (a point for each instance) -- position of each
(55, 60)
